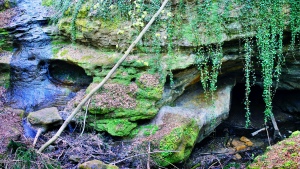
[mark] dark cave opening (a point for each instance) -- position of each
(68, 74)
(286, 109)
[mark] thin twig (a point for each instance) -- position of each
(268, 136)
(148, 161)
(84, 119)
(212, 165)
(168, 163)
(218, 161)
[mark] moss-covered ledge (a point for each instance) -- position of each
(125, 101)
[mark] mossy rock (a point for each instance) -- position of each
(174, 138)
(96, 164)
(115, 127)
(144, 130)
(182, 140)
(125, 98)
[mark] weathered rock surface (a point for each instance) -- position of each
(191, 120)
(34, 78)
(45, 117)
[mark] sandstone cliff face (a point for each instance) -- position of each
(159, 79)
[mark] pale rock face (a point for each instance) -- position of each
(44, 117)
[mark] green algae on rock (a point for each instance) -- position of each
(115, 127)
(181, 140)
(172, 141)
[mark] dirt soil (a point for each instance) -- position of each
(6, 16)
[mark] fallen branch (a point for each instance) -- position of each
(76, 110)
(277, 133)
(258, 131)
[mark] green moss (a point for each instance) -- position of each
(289, 164)
(96, 164)
(115, 127)
(295, 133)
(146, 98)
(7, 4)
(64, 52)
(47, 2)
(145, 109)
(150, 93)
(290, 143)
(146, 130)
(181, 139)
(88, 57)
(5, 40)
(188, 32)
(4, 78)
(125, 75)
(112, 24)
(95, 80)
(57, 44)
(83, 12)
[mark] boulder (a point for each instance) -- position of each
(189, 122)
(96, 164)
(45, 117)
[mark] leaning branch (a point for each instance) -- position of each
(87, 97)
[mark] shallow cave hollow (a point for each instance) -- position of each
(68, 74)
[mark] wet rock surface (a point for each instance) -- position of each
(30, 85)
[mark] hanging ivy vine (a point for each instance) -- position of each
(208, 57)
(269, 41)
(248, 68)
